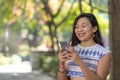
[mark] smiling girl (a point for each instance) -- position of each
(86, 58)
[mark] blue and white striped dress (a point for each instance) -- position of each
(90, 55)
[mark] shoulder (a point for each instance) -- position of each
(102, 50)
(96, 47)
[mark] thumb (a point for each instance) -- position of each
(69, 48)
(70, 43)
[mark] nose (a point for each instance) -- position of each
(79, 29)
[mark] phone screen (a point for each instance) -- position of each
(63, 44)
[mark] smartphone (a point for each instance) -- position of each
(63, 44)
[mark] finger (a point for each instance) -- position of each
(69, 57)
(70, 43)
(69, 49)
(61, 49)
(63, 58)
(72, 49)
(63, 54)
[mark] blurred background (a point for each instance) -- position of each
(30, 31)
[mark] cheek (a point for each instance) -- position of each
(90, 34)
(89, 30)
(76, 33)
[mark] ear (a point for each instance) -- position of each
(95, 29)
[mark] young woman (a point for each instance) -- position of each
(85, 58)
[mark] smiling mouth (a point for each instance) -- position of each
(81, 34)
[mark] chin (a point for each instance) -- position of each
(81, 39)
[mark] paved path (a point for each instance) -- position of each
(22, 71)
(35, 75)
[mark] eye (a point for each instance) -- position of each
(83, 26)
(76, 26)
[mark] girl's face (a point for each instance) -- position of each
(84, 30)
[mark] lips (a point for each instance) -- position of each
(81, 34)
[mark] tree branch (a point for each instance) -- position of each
(80, 5)
(47, 8)
(94, 7)
(23, 10)
(59, 9)
(63, 20)
(90, 1)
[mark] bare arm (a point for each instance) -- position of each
(104, 66)
(61, 73)
(102, 69)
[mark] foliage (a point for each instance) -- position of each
(32, 16)
(108, 77)
(4, 60)
(48, 63)
(9, 60)
(28, 23)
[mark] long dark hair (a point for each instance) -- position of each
(93, 21)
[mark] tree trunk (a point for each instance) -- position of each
(114, 10)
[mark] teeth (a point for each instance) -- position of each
(81, 34)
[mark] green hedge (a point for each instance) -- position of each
(48, 63)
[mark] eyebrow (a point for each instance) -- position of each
(81, 24)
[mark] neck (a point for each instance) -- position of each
(87, 43)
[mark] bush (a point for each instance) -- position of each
(48, 63)
(4, 60)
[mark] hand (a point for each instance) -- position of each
(62, 58)
(73, 55)
(62, 55)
